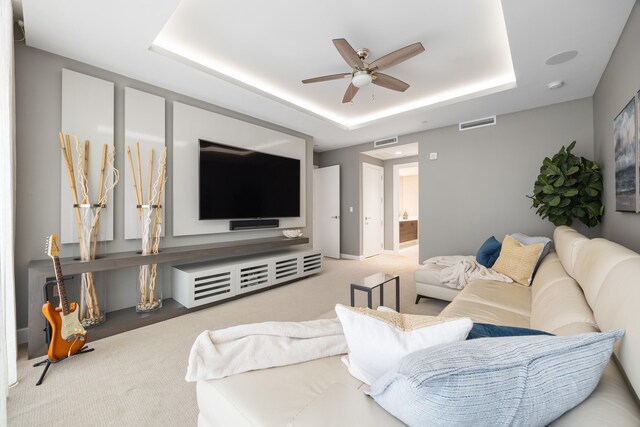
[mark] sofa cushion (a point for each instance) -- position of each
(489, 252)
(618, 306)
(610, 404)
(269, 397)
(378, 339)
(343, 405)
(485, 313)
(567, 242)
(556, 298)
(517, 260)
(596, 259)
(528, 380)
(428, 273)
(507, 296)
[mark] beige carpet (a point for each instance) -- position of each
(137, 378)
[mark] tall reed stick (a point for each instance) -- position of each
(68, 157)
(139, 172)
(135, 187)
(85, 172)
(100, 188)
(150, 176)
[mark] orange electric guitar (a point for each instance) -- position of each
(67, 334)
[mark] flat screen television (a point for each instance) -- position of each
(236, 183)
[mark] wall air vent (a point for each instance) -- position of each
(387, 141)
(472, 124)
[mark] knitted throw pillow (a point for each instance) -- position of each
(517, 260)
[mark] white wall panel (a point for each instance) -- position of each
(189, 125)
(87, 112)
(144, 123)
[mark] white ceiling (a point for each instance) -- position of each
(467, 51)
(394, 151)
(274, 45)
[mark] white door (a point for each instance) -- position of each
(372, 209)
(326, 210)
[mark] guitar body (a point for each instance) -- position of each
(67, 334)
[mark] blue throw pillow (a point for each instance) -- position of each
(486, 330)
(489, 252)
(495, 381)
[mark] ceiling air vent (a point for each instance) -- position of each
(387, 141)
(472, 124)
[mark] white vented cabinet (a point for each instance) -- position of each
(207, 282)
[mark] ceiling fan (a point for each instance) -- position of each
(364, 73)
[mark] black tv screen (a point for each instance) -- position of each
(237, 183)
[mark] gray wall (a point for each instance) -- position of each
(388, 198)
(350, 160)
(619, 83)
(477, 186)
(38, 107)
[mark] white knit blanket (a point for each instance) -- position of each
(217, 354)
(460, 270)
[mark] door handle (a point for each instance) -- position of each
(336, 217)
(366, 218)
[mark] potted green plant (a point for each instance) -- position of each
(569, 187)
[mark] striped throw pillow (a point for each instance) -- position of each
(528, 380)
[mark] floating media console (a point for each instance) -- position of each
(207, 282)
(127, 318)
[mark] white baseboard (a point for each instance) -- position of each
(353, 257)
(22, 336)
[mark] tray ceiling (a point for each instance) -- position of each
(482, 57)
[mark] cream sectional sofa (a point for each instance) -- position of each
(586, 285)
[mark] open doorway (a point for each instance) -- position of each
(406, 205)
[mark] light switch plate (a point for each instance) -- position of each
(433, 156)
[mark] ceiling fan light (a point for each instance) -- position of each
(361, 78)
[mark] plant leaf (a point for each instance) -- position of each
(555, 201)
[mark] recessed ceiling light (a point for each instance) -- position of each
(398, 152)
(555, 85)
(562, 57)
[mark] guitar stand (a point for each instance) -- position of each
(48, 362)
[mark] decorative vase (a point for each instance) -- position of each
(92, 310)
(149, 297)
(405, 215)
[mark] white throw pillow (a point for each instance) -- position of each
(377, 340)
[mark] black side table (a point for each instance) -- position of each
(369, 283)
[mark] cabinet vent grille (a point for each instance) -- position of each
(312, 262)
(253, 276)
(212, 285)
(286, 268)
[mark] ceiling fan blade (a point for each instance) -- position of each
(350, 93)
(348, 54)
(397, 57)
(327, 78)
(390, 82)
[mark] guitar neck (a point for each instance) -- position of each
(62, 292)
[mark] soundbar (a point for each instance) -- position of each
(251, 224)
